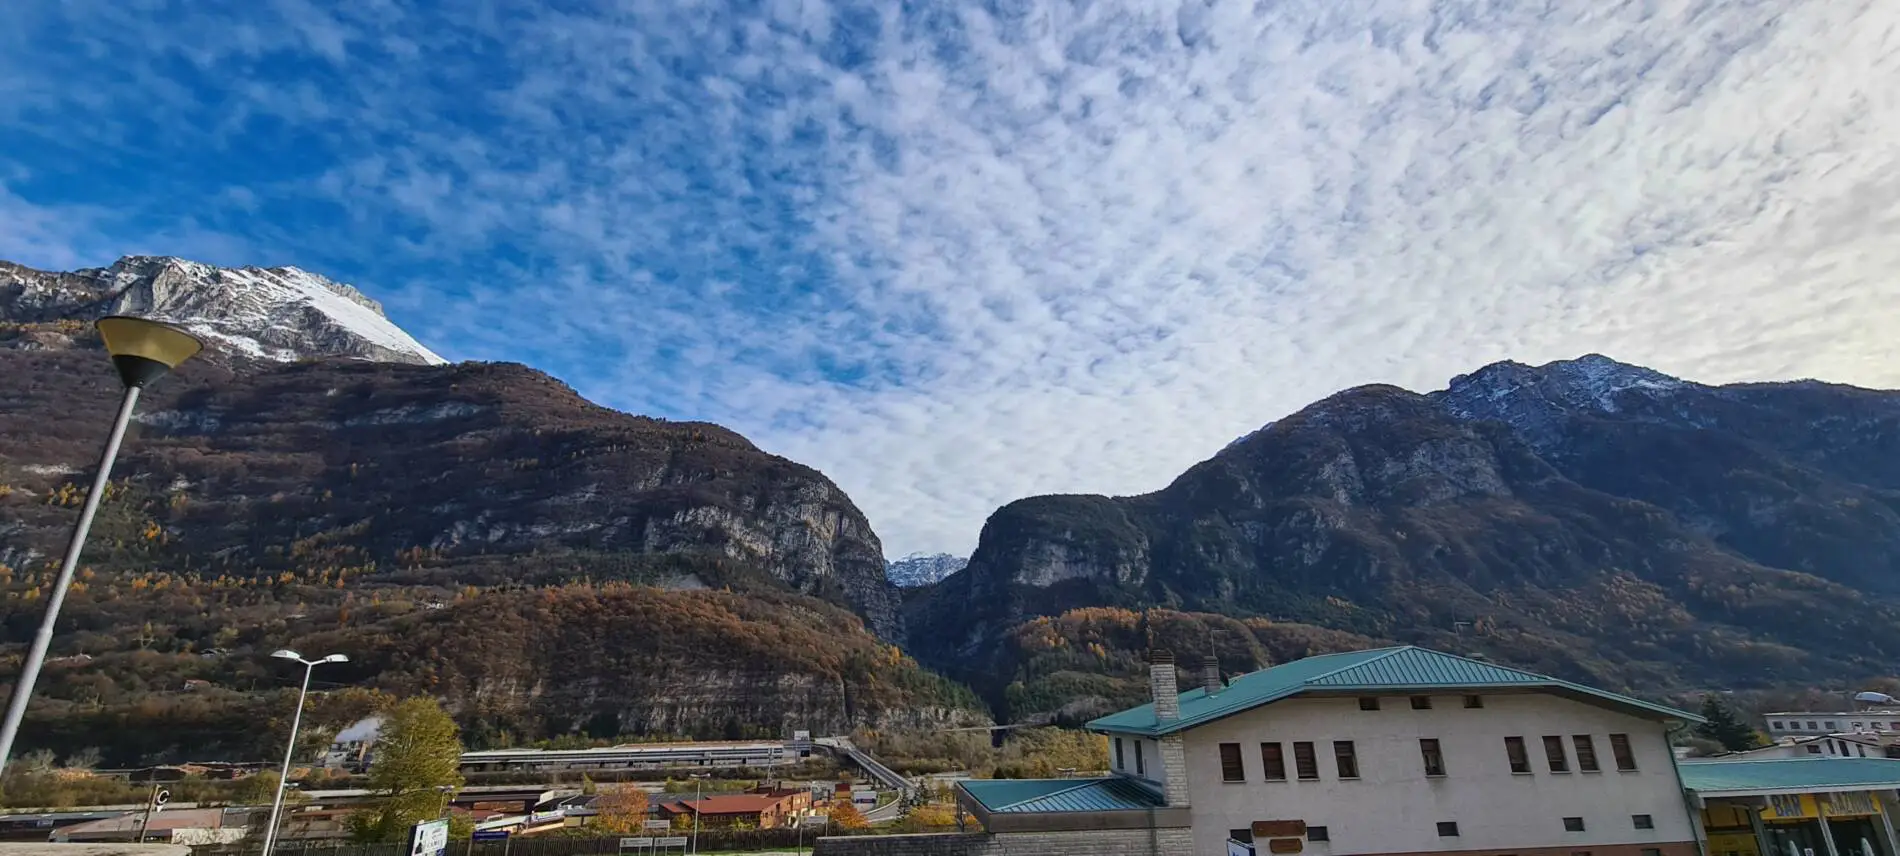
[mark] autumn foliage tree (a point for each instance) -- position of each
(844, 815)
(417, 767)
(620, 810)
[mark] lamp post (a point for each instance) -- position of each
(142, 351)
(290, 750)
(698, 780)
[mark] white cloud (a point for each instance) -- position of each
(965, 257)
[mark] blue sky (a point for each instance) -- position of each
(954, 254)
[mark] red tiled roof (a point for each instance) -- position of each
(733, 804)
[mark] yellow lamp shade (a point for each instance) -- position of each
(144, 350)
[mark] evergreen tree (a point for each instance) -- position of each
(1724, 726)
(417, 767)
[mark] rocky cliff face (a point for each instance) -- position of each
(473, 473)
(1589, 519)
(268, 314)
(320, 468)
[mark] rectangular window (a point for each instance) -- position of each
(1620, 748)
(1434, 759)
(1421, 702)
(1831, 726)
(1586, 752)
(1369, 703)
(1776, 725)
(1474, 701)
(1348, 760)
(1141, 768)
(1231, 770)
(1812, 726)
(1643, 821)
(1814, 748)
(1244, 836)
(1448, 829)
(1554, 754)
(1121, 760)
(1273, 761)
(1305, 763)
(1520, 759)
(1317, 833)
(1573, 824)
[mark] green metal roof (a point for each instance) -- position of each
(1035, 796)
(1790, 775)
(1379, 670)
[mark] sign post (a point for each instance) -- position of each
(429, 838)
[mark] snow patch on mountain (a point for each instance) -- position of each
(278, 314)
(1533, 399)
(922, 569)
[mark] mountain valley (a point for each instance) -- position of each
(551, 567)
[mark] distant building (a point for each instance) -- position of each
(1820, 746)
(758, 810)
(638, 756)
(1877, 721)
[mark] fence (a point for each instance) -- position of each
(710, 840)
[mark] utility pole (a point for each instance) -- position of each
(153, 804)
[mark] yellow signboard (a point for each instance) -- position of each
(1810, 806)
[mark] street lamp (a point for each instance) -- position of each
(698, 780)
(143, 351)
(290, 750)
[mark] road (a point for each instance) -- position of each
(874, 768)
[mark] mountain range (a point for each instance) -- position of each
(922, 569)
(479, 531)
(1588, 519)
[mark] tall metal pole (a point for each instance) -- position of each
(150, 803)
(36, 655)
(290, 750)
(697, 799)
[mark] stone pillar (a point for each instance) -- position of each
(1167, 696)
(1174, 770)
(1210, 676)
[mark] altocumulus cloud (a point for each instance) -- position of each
(963, 253)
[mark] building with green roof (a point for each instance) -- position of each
(1812, 806)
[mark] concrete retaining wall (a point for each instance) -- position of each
(1128, 842)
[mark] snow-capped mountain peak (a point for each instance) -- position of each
(922, 569)
(1530, 397)
(277, 314)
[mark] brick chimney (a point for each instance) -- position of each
(1210, 676)
(1161, 683)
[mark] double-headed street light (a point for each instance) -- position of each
(143, 351)
(290, 750)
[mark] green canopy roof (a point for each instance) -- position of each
(1033, 796)
(1789, 775)
(1381, 670)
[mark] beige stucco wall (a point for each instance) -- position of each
(1394, 808)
